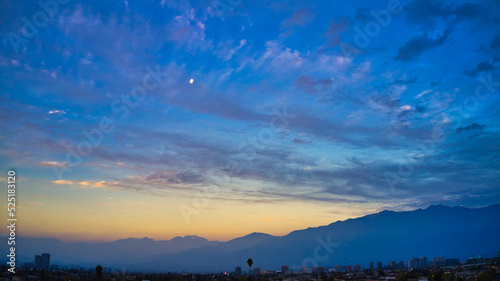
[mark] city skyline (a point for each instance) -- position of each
(170, 118)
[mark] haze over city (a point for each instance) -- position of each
(132, 119)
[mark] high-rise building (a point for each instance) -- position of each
(371, 265)
(414, 263)
(285, 269)
(256, 271)
(392, 264)
(237, 270)
(304, 268)
(38, 262)
(338, 268)
(45, 261)
(379, 265)
(348, 268)
(438, 259)
(423, 262)
(357, 268)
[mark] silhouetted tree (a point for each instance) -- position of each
(485, 276)
(250, 262)
(98, 272)
(439, 275)
(43, 275)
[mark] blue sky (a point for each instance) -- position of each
(299, 113)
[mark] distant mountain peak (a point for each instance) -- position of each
(258, 234)
(189, 237)
(438, 206)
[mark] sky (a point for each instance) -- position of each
(170, 118)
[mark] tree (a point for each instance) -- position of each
(485, 276)
(250, 262)
(438, 275)
(98, 272)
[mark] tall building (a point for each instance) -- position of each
(237, 270)
(423, 262)
(45, 261)
(438, 259)
(338, 268)
(256, 271)
(392, 264)
(414, 263)
(357, 268)
(371, 265)
(348, 268)
(379, 265)
(285, 269)
(38, 262)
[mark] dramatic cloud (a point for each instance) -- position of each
(412, 49)
(473, 126)
(483, 67)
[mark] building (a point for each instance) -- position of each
(38, 262)
(371, 265)
(423, 262)
(392, 264)
(414, 263)
(348, 268)
(357, 268)
(379, 265)
(304, 268)
(237, 271)
(45, 261)
(318, 269)
(338, 268)
(256, 271)
(285, 269)
(438, 259)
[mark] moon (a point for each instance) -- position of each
(191, 81)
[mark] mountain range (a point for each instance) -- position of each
(451, 232)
